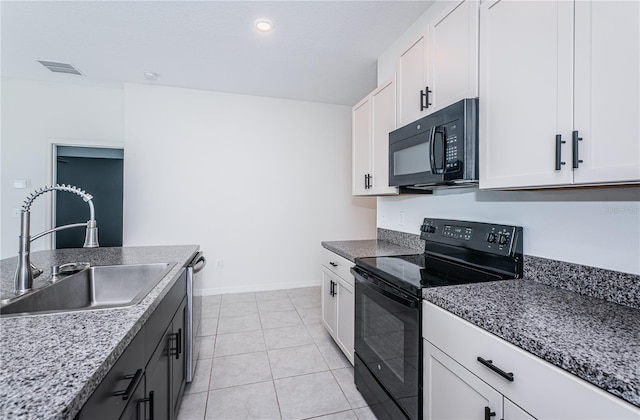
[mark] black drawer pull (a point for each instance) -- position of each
(489, 363)
(179, 352)
(333, 264)
(488, 413)
(135, 380)
(173, 348)
(150, 401)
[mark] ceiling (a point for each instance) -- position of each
(321, 51)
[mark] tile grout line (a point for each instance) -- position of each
(273, 381)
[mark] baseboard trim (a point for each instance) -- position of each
(255, 288)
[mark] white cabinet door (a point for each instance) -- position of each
(411, 80)
(513, 412)
(452, 392)
(383, 111)
(345, 318)
(328, 301)
(607, 90)
(361, 146)
(526, 66)
(453, 54)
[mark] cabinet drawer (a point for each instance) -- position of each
(338, 265)
(542, 389)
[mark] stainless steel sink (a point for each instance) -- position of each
(96, 287)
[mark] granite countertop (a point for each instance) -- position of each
(367, 248)
(52, 363)
(594, 339)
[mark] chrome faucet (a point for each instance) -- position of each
(26, 272)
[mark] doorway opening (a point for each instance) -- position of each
(100, 172)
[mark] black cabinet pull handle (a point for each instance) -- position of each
(333, 288)
(173, 348)
(135, 380)
(150, 401)
(559, 144)
(576, 139)
(179, 352)
(367, 181)
(424, 98)
(333, 264)
(489, 363)
(330, 287)
(488, 413)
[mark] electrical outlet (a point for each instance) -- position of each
(401, 223)
(219, 264)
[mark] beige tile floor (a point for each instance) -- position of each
(266, 355)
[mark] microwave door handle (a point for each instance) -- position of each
(432, 149)
(443, 136)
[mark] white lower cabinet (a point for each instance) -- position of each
(338, 301)
(452, 392)
(470, 373)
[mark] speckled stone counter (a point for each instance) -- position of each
(52, 363)
(367, 248)
(596, 340)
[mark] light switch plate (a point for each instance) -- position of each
(20, 184)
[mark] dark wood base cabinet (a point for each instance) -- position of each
(147, 381)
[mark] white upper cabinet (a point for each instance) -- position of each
(383, 112)
(525, 92)
(607, 91)
(453, 55)
(533, 99)
(373, 118)
(412, 82)
(440, 66)
(361, 145)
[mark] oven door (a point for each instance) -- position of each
(387, 339)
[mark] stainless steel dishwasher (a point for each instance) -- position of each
(194, 310)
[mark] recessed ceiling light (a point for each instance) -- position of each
(263, 25)
(149, 75)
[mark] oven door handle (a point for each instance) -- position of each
(388, 292)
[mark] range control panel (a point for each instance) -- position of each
(487, 237)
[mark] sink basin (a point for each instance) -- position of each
(96, 287)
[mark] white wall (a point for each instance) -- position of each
(598, 227)
(35, 115)
(257, 182)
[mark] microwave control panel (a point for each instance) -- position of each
(454, 150)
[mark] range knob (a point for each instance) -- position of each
(430, 229)
(503, 239)
(492, 238)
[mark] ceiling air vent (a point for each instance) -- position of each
(60, 67)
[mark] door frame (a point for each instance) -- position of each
(53, 173)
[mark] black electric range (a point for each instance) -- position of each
(388, 309)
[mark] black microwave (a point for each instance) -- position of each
(438, 150)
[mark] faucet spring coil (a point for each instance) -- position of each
(69, 188)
